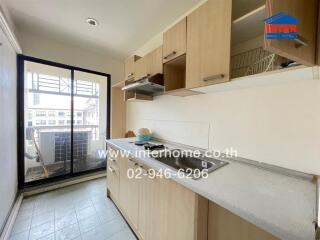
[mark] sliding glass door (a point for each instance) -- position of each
(47, 121)
(89, 118)
(63, 120)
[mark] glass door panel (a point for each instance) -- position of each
(47, 121)
(89, 121)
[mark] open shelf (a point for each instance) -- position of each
(134, 96)
(175, 74)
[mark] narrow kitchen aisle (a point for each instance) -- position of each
(80, 211)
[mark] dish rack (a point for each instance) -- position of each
(252, 62)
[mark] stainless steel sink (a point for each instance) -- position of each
(191, 165)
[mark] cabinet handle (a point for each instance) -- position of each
(213, 77)
(170, 55)
(134, 163)
(130, 75)
(111, 169)
(300, 42)
(112, 160)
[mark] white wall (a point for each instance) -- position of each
(43, 47)
(277, 123)
(8, 126)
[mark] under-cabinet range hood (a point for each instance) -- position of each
(151, 85)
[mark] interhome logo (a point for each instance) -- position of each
(281, 26)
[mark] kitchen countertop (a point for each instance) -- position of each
(281, 204)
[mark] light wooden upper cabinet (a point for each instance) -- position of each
(174, 41)
(208, 44)
(140, 68)
(149, 64)
(129, 66)
(154, 61)
(306, 12)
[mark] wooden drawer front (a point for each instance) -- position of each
(175, 41)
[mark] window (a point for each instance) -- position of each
(79, 114)
(30, 114)
(51, 113)
(61, 122)
(36, 99)
(61, 114)
(52, 122)
(41, 122)
(40, 113)
(79, 122)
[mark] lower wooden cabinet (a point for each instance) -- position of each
(159, 208)
(224, 225)
(129, 192)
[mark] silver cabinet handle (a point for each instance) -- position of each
(111, 169)
(213, 77)
(170, 55)
(300, 41)
(112, 160)
(134, 163)
(130, 75)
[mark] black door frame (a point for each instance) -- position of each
(20, 118)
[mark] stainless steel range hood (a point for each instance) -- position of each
(151, 85)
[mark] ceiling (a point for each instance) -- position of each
(125, 25)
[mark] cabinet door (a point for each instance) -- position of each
(129, 66)
(154, 61)
(145, 206)
(306, 12)
(129, 191)
(140, 68)
(113, 181)
(208, 44)
(160, 204)
(224, 225)
(174, 41)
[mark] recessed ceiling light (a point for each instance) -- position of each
(92, 21)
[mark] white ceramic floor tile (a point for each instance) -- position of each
(41, 231)
(48, 237)
(109, 215)
(89, 223)
(77, 212)
(21, 226)
(63, 210)
(110, 228)
(68, 233)
(65, 221)
(24, 214)
(85, 213)
(125, 234)
(20, 236)
(42, 218)
(83, 204)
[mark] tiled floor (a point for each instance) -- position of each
(80, 211)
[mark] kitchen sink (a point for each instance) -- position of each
(189, 164)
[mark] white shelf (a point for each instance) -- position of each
(248, 26)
